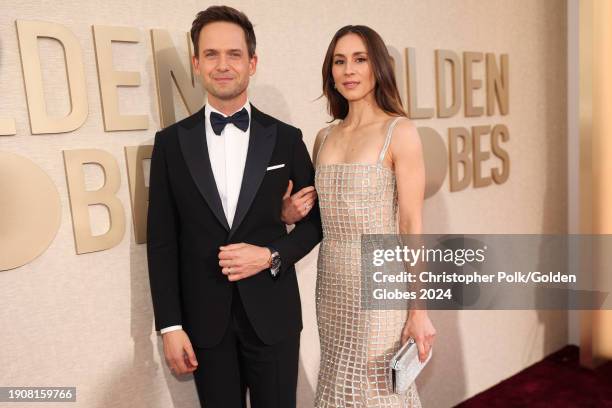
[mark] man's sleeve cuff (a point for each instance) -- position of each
(171, 328)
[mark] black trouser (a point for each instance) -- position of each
(243, 361)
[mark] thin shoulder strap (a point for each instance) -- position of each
(383, 152)
(327, 130)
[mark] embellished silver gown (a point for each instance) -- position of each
(356, 344)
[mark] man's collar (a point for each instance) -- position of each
(209, 108)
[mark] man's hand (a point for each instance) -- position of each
(298, 205)
(242, 260)
(178, 352)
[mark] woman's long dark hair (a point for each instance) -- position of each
(385, 91)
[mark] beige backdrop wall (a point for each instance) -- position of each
(86, 320)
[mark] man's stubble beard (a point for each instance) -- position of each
(229, 94)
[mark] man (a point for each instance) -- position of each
(221, 263)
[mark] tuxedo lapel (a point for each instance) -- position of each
(192, 139)
(262, 140)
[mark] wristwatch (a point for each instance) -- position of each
(275, 262)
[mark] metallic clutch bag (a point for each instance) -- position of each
(405, 366)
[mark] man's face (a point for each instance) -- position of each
(223, 63)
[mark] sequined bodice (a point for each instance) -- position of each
(356, 199)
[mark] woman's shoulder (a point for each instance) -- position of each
(321, 135)
(401, 122)
(405, 136)
(323, 132)
(318, 141)
(326, 129)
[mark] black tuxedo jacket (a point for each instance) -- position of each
(186, 225)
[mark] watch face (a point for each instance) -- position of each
(275, 261)
(275, 264)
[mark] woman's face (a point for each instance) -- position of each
(351, 68)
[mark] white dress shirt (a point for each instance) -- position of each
(227, 153)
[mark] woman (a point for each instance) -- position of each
(367, 166)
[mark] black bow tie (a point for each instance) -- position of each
(240, 119)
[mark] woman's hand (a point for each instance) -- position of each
(298, 205)
(419, 327)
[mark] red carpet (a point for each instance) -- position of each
(556, 381)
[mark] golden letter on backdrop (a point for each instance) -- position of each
(457, 157)
(471, 84)
(30, 211)
(500, 132)
(80, 199)
(414, 112)
(436, 159)
(441, 57)
(497, 84)
(139, 192)
(110, 79)
(479, 156)
(7, 127)
(40, 122)
(168, 69)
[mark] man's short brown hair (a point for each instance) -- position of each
(227, 14)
